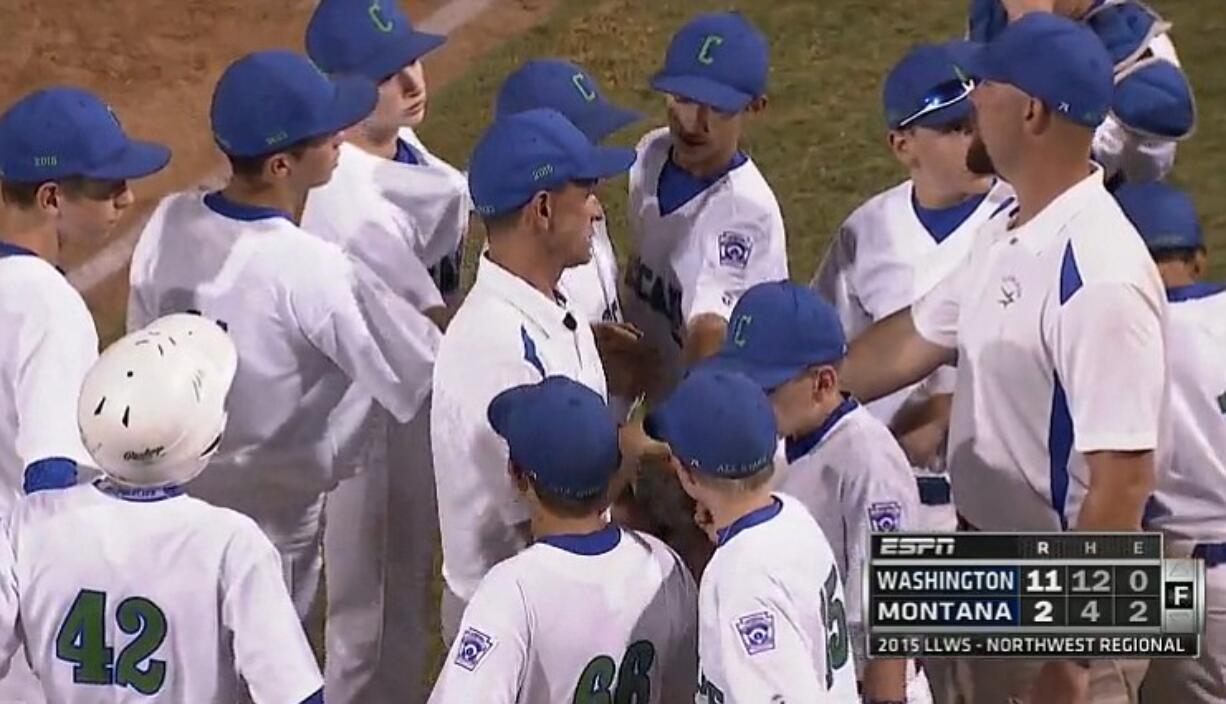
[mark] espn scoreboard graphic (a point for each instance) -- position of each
(1040, 595)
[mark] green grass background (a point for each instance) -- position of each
(821, 142)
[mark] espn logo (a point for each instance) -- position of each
(899, 546)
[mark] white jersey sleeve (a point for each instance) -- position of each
(394, 259)
(786, 671)
(935, 314)
(270, 649)
(487, 659)
(1110, 359)
(384, 344)
(9, 640)
(56, 353)
(835, 281)
(745, 252)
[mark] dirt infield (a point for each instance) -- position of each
(156, 62)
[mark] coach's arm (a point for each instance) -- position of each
(890, 355)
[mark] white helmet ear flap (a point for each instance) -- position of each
(152, 409)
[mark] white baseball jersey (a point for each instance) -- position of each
(308, 323)
(399, 219)
(522, 638)
(700, 257)
(1190, 498)
(505, 334)
(854, 479)
(771, 614)
(48, 344)
(1058, 325)
(172, 602)
(884, 258)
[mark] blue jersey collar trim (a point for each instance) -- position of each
(749, 520)
(225, 207)
(8, 249)
(940, 223)
(797, 447)
(406, 154)
(676, 186)
(1192, 292)
(140, 495)
(589, 544)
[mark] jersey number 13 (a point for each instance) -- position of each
(82, 641)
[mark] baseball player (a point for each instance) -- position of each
(1056, 415)
(771, 611)
(1152, 108)
(175, 600)
(403, 212)
(901, 242)
(704, 224)
(1191, 495)
(567, 88)
(519, 642)
(842, 463)
(309, 322)
(532, 177)
(64, 168)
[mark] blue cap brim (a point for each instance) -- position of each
(703, 90)
(137, 160)
(605, 162)
(974, 61)
(354, 99)
(768, 377)
(386, 63)
(606, 121)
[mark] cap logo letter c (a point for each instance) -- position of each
(376, 16)
(581, 85)
(704, 54)
(738, 336)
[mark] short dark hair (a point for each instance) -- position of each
(253, 166)
(25, 194)
(569, 507)
(499, 223)
(1185, 255)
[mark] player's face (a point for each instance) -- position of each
(942, 153)
(704, 139)
(317, 162)
(90, 209)
(402, 99)
(792, 402)
(999, 116)
(572, 211)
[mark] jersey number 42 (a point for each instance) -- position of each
(82, 641)
(603, 682)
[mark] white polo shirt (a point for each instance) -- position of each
(884, 258)
(1058, 325)
(700, 257)
(47, 344)
(1190, 499)
(506, 333)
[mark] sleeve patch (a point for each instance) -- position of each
(474, 646)
(757, 631)
(885, 516)
(735, 249)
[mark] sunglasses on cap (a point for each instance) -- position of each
(941, 97)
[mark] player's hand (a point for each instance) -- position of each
(705, 523)
(632, 366)
(1017, 8)
(1060, 682)
(639, 447)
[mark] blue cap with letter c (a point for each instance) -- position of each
(371, 38)
(567, 88)
(719, 60)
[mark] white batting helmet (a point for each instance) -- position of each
(152, 408)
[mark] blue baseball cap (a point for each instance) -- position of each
(532, 151)
(1053, 59)
(779, 329)
(373, 39)
(270, 100)
(563, 86)
(1164, 215)
(59, 133)
(561, 434)
(718, 423)
(924, 88)
(720, 60)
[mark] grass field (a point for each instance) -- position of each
(821, 142)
